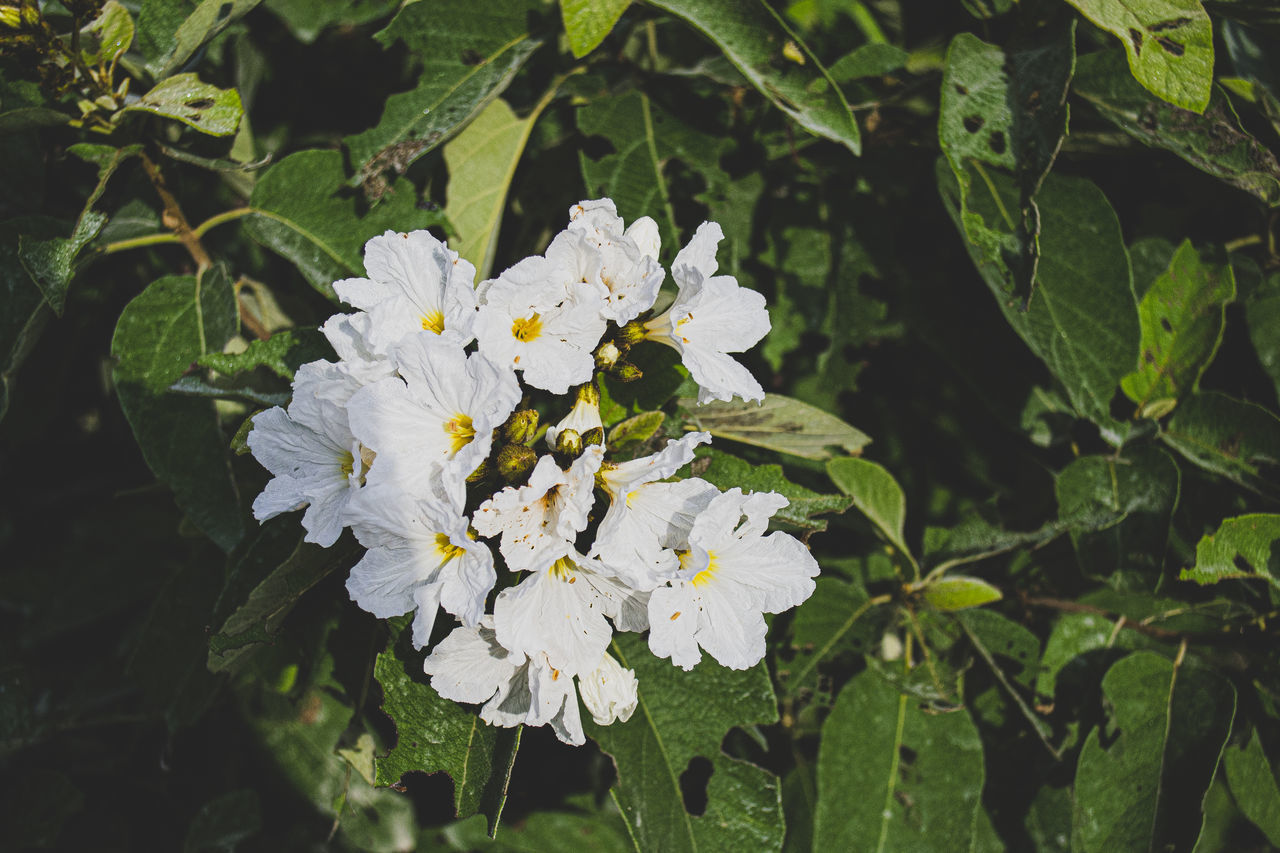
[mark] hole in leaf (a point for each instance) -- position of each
(598, 147)
(693, 784)
(1135, 36)
(973, 124)
(961, 90)
(200, 103)
(906, 757)
(1171, 24)
(1165, 324)
(996, 142)
(471, 57)
(1171, 46)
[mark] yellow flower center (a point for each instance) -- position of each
(446, 548)
(703, 577)
(348, 463)
(563, 569)
(433, 321)
(460, 430)
(526, 329)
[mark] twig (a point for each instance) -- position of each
(173, 217)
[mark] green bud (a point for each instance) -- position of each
(520, 427)
(589, 394)
(625, 372)
(569, 443)
(607, 355)
(485, 469)
(631, 334)
(595, 435)
(515, 461)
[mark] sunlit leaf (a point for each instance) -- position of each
(779, 423)
(875, 493)
(1239, 440)
(185, 98)
(113, 28)
(727, 472)
(959, 592)
(1241, 547)
(587, 22)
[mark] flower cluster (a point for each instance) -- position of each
(417, 440)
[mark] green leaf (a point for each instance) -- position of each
(1253, 784)
(975, 538)
(1144, 790)
(113, 28)
(760, 45)
(469, 54)
(655, 747)
(1140, 491)
(894, 776)
(590, 832)
(830, 622)
(303, 210)
(159, 334)
(306, 19)
(254, 622)
(587, 22)
(482, 161)
(1239, 440)
(1262, 311)
(1082, 319)
(171, 31)
(645, 139)
(727, 471)
(24, 107)
(959, 592)
(22, 304)
(1246, 539)
(875, 493)
(1215, 142)
(281, 353)
(1169, 44)
(634, 431)
(779, 423)
(185, 98)
(435, 734)
(1006, 111)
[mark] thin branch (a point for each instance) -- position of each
(173, 217)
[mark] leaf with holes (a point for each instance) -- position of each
(759, 43)
(1182, 317)
(1234, 438)
(1169, 44)
(1214, 142)
(1006, 111)
(113, 31)
(895, 776)
(664, 745)
(1241, 547)
(185, 98)
(469, 53)
(1141, 779)
(282, 354)
(303, 210)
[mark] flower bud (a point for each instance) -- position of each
(520, 427)
(595, 435)
(625, 372)
(515, 461)
(584, 416)
(483, 470)
(607, 355)
(569, 443)
(631, 334)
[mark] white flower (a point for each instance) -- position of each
(731, 574)
(470, 666)
(540, 520)
(711, 316)
(561, 611)
(434, 428)
(583, 417)
(609, 692)
(629, 259)
(349, 335)
(420, 558)
(316, 461)
(415, 283)
(637, 536)
(542, 316)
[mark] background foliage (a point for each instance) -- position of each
(1027, 249)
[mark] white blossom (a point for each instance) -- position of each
(637, 535)
(629, 265)
(711, 317)
(730, 575)
(582, 418)
(609, 692)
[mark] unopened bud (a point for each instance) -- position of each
(595, 435)
(625, 372)
(569, 443)
(481, 472)
(10, 17)
(520, 427)
(631, 334)
(515, 461)
(607, 355)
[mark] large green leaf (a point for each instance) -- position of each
(303, 210)
(185, 98)
(1239, 440)
(895, 776)
(435, 734)
(1074, 637)
(306, 19)
(587, 22)
(1247, 539)
(159, 334)
(1006, 111)
(469, 52)
(875, 493)
(1169, 44)
(112, 30)
(1214, 142)
(779, 423)
(728, 471)
(171, 31)
(760, 45)
(1253, 784)
(1144, 789)
(683, 716)
(482, 161)
(645, 138)
(1139, 490)
(1082, 319)
(24, 107)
